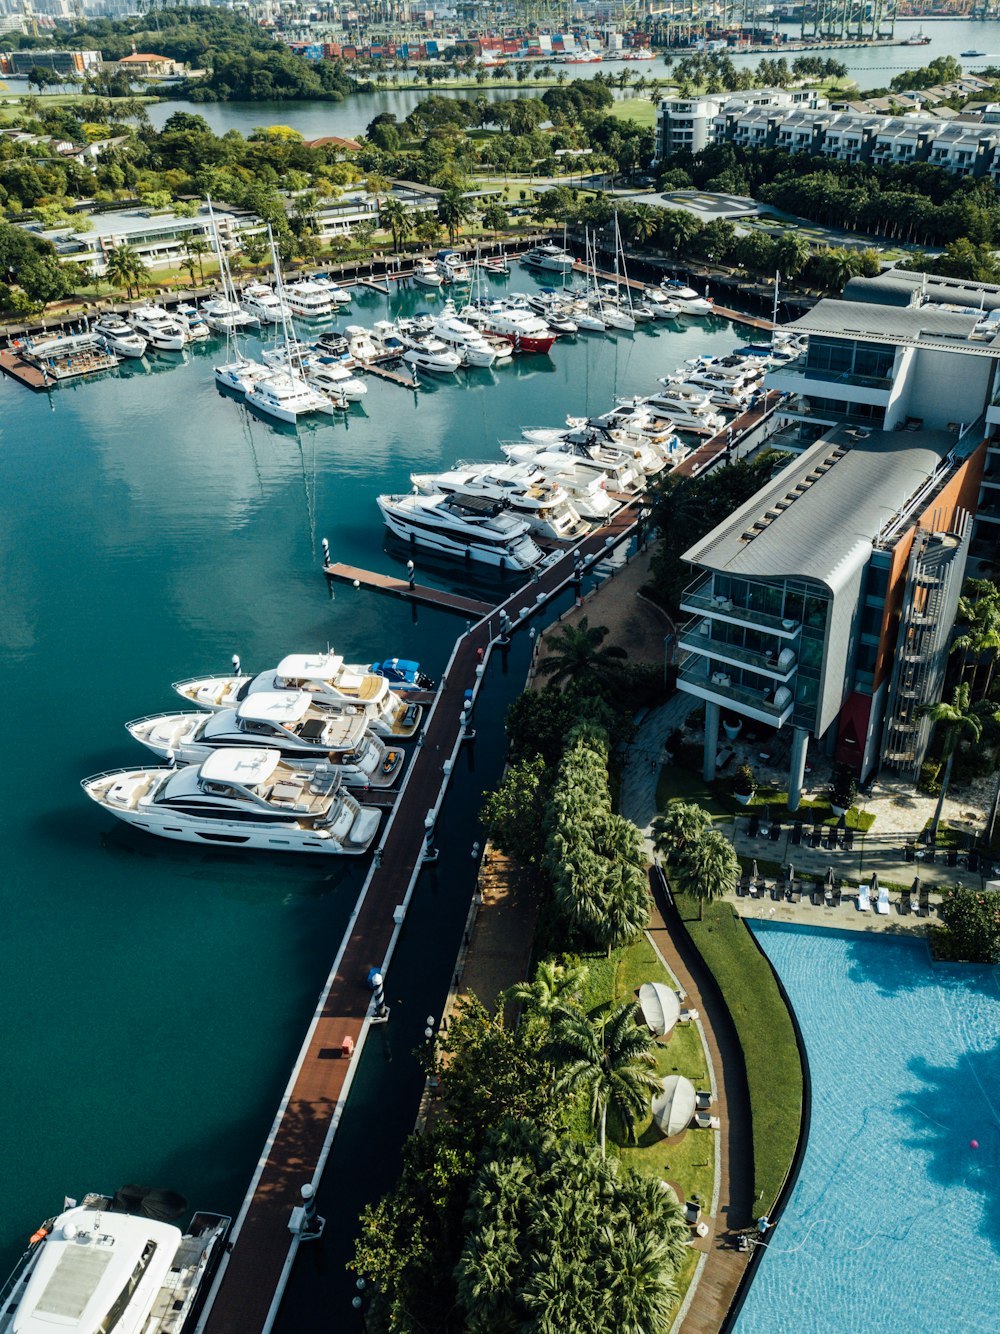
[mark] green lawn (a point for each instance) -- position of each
(678, 783)
(10, 103)
(639, 109)
(764, 1026)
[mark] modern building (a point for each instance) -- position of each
(141, 65)
(71, 63)
(689, 124)
(160, 238)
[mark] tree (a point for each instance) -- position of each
(791, 254)
(394, 214)
(453, 210)
(575, 655)
(495, 216)
(972, 918)
(955, 719)
(708, 868)
(125, 268)
(198, 247)
(610, 1059)
(556, 988)
(981, 636)
(680, 825)
(513, 814)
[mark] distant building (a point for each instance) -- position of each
(59, 62)
(146, 66)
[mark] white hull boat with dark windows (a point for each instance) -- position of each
(460, 337)
(309, 300)
(117, 336)
(330, 682)
(245, 798)
(225, 315)
(430, 354)
(241, 375)
(263, 303)
(287, 397)
(193, 321)
(426, 275)
(689, 408)
(467, 527)
(114, 1263)
(586, 487)
(656, 300)
(527, 493)
(159, 328)
(360, 344)
(548, 257)
(286, 720)
(617, 473)
(686, 299)
(340, 296)
(336, 381)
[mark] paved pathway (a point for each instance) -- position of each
(645, 759)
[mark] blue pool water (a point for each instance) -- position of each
(893, 1226)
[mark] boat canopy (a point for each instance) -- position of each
(309, 666)
(275, 706)
(232, 764)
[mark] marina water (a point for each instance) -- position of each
(155, 994)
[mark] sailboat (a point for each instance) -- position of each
(238, 372)
(285, 394)
(609, 310)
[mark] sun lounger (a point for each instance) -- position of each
(775, 832)
(796, 894)
(909, 852)
(706, 1121)
(925, 901)
(848, 840)
(815, 836)
(703, 1100)
(951, 857)
(796, 833)
(692, 1212)
(882, 906)
(930, 853)
(753, 826)
(863, 901)
(828, 896)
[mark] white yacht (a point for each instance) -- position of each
(225, 315)
(334, 378)
(591, 461)
(359, 343)
(525, 330)
(587, 490)
(286, 396)
(264, 304)
(460, 336)
(309, 300)
(117, 336)
(425, 274)
(330, 681)
(657, 300)
(548, 256)
(689, 408)
(247, 798)
(106, 1265)
(286, 720)
(241, 374)
(192, 320)
(469, 527)
(340, 296)
(453, 268)
(430, 354)
(159, 328)
(526, 492)
(686, 299)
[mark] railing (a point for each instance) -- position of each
(694, 640)
(696, 601)
(727, 693)
(799, 369)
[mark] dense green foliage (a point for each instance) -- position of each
(717, 72)
(972, 921)
(30, 273)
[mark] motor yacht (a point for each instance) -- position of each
(523, 329)
(472, 528)
(193, 320)
(246, 797)
(642, 455)
(333, 378)
(589, 321)
(291, 355)
(503, 348)
(621, 474)
(586, 486)
(689, 408)
(463, 339)
(286, 396)
(548, 256)
(359, 343)
(330, 682)
(289, 721)
(340, 296)
(115, 1262)
(722, 393)
(452, 267)
(117, 336)
(526, 492)
(224, 315)
(309, 300)
(425, 274)
(660, 303)
(431, 354)
(241, 374)
(686, 299)
(159, 328)
(263, 303)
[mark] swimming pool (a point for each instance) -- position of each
(893, 1226)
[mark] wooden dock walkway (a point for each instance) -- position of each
(248, 1290)
(708, 454)
(24, 372)
(380, 371)
(389, 583)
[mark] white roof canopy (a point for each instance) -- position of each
(674, 1107)
(275, 706)
(660, 1007)
(309, 666)
(233, 764)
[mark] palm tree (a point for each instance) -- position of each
(956, 718)
(453, 210)
(791, 254)
(556, 987)
(575, 654)
(708, 868)
(680, 825)
(610, 1058)
(124, 267)
(198, 246)
(979, 610)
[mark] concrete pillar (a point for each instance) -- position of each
(712, 713)
(797, 768)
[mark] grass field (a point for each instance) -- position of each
(10, 103)
(639, 109)
(764, 1027)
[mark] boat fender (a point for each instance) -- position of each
(40, 1235)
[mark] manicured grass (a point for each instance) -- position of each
(639, 109)
(764, 1027)
(777, 799)
(679, 784)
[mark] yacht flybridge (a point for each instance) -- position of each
(528, 494)
(330, 681)
(159, 328)
(117, 336)
(246, 797)
(474, 528)
(102, 1265)
(287, 720)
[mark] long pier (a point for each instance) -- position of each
(24, 372)
(388, 583)
(247, 1292)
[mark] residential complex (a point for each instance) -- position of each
(803, 122)
(825, 604)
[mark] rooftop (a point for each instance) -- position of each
(928, 325)
(901, 287)
(818, 518)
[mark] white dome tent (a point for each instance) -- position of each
(673, 1109)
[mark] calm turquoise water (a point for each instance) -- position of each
(892, 1227)
(154, 996)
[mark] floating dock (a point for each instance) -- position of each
(382, 373)
(388, 583)
(24, 372)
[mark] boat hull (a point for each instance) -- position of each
(455, 546)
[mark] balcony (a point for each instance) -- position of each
(694, 639)
(799, 408)
(717, 688)
(794, 375)
(699, 601)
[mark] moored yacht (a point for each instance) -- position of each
(241, 374)
(689, 408)
(425, 274)
(548, 256)
(430, 354)
(264, 304)
(159, 328)
(686, 299)
(335, 380)
(114, 1263)
(223, 314)
(117, 336)
(285, 719)
(586, 487)
(193, 321)
(525, 330)
(245, 797)
(326, 677)
(526, 492)
(340, 296)
(472, 528)
(460, 337)
(309, 300)
(618, 472)
(286, 396)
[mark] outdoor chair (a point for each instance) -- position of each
(905, 902)
(909, 853)
(795, 894)
(692, 1212)
(815, 836)
(828, 838)
(925, 901)
(930, 852)
(796, 833)
(864, 903)
(951, 857)
(703, 1100)
(848, 840)
(837, 893)
(777, 893)
(688, 1016)
(775, 832)
(753, 826)
(706, 1121)
(761, 887)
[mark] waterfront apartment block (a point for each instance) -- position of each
(963, 145)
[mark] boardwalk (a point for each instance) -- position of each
(12, 364)
(391, 377)
(708, 454)
(247, 1294)
(389, 583)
